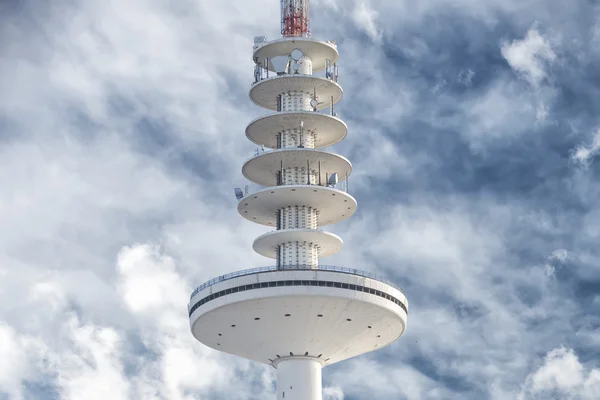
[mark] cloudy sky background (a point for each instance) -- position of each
(474, 134)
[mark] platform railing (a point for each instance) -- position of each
(261, 73)
(259, 270)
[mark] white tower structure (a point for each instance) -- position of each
(297, 316)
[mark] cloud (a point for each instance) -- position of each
(583, 155)
(14, 369)
(530, 56)
(562, 376)
(333, 393)
(364, 378)
(94, 368)
(557, 256)
(156, 295)
(365, 17)
(121, 138)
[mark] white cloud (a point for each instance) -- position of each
(530, 56)
(365, 17)
(366, 379)
(14, 367)
(157, 295)
(92, 368)
(560, 256)
(563, 376)
(333, 393)
(583, 155)
(466, 77)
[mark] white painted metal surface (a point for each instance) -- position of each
(265, 92)
(333, 205)
(327, 130)
(298, 316)
(318, 51)
(327, 243)
(263, 169)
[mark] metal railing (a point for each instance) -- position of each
(261, 73)
(259, 270)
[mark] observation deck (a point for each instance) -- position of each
(325, 313)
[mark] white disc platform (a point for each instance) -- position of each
(263, 168)
(318, 51)
(328, 243)
(265, 92)
(332, 204)
(329, 130)
(326, 315)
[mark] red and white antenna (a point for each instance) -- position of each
(294, 18)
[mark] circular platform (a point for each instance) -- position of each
(329, 244)
(329, 130)
(318, 51)
(326, 315)
(264, 93)
(333, 205)
(263, 169)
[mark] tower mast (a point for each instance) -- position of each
(294, 18)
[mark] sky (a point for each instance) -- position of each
(474, 138)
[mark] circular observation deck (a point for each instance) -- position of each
(321, 313)
(263, 168)
(316, 50)
(333, 205)
(328, 243)
(328, 129)
(264, 93)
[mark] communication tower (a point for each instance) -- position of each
(298, 315)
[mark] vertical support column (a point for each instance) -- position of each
(299, 378)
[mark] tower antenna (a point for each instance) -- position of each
(294, 18)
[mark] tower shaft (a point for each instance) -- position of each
(299, 378)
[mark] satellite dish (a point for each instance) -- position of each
(296, 66)
(313, 103)
(297, 54)
(333, 179)
(279, 64)
(238, 193)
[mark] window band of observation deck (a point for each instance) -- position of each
(259, 270)
(297, 282)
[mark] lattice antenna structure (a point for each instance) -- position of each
(297, 315)
(294, 18)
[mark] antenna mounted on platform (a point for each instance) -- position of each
(333, 180)
(294, 18)
(238, 193)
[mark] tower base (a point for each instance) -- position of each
(299, 378)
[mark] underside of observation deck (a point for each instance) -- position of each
(327, 318)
